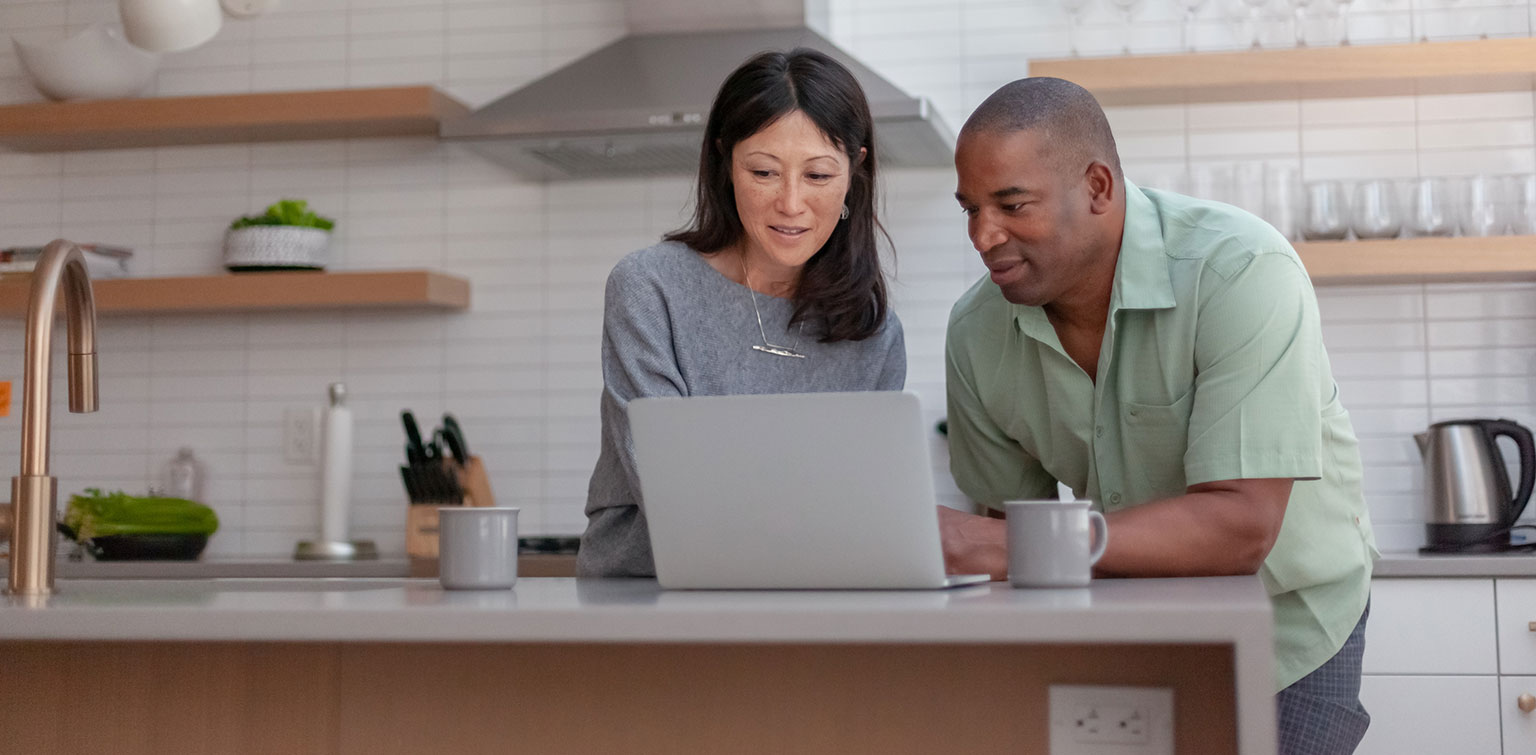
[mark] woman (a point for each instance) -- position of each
(775, 287)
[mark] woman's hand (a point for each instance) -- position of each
(973, 544)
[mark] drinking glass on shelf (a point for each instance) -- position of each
(1254, 24)
(1483, 212)
(1377, 214)
(1429, 208)
(1074, 9)
(1522, 216)
(1191, 7)
(1211, 181)
(1248, 186)
(1176, 181)
(1127, 9)
(1299, 8)
(1342, 17)
(1283, 200)
(1327, 216)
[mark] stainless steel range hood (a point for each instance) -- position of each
(638, 105)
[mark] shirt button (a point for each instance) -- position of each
(1114, 498)
(1098, 432)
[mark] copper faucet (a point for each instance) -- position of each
(34, 494)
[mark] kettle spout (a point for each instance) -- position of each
(1423, 441)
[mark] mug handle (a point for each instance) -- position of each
(1101, 536)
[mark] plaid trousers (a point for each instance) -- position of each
(1321, 713)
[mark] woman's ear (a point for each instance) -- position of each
(863, 151)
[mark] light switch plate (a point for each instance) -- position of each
(1093, 720)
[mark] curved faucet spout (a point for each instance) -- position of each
(34, 494)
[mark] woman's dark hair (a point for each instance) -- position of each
(842, 285)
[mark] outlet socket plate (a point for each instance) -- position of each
(301, 435)
(1094, 720)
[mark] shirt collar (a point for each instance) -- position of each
(1141, 275)
(1141, 270)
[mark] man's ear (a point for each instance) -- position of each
(1102, 187)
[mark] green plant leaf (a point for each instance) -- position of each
(292, 212)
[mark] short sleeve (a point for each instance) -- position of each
(988, 466)
(1258, 388)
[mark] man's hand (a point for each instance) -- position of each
(973, 544)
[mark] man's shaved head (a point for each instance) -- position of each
(1075, 129)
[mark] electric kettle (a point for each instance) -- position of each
(1466, 484)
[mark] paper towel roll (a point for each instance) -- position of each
(336, 467)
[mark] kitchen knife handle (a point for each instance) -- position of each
(415, 452)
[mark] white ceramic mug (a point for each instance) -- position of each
(477, 547)
(1049, 544)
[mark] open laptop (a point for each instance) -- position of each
(790, 491)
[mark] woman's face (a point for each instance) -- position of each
(790, 181)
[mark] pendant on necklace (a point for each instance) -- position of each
(778, 351)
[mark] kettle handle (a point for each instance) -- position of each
(1522, 438)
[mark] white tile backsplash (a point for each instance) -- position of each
(520, 369)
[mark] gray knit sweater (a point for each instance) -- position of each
(674, 326)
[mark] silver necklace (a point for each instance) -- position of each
(767, 347)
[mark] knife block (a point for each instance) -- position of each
(421, 531)
(475, 483)
(421, 520)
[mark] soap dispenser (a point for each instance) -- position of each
(183, 477)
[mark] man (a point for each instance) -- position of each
(1161, 356)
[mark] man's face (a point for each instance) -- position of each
(1028, 219)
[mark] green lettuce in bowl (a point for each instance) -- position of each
(95, 514)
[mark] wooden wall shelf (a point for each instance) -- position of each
(278, 116)
(1426, 260)
(256, 292)
(1482, 65)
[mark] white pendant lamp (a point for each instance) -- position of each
(170, 25)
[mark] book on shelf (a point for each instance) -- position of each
(101, 260)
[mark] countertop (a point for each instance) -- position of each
(1233, 609)
(217, 568)
(1414, 564)
(528, 564)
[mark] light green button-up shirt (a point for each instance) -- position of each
(1212, 368)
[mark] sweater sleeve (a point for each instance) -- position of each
(893, 376)
(638, 361)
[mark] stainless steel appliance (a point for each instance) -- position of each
(638, 106)
(1466, 484)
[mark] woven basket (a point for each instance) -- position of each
(276, 247)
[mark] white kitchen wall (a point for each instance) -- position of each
(520, 369)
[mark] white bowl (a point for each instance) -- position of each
(276, 247)
(95, 64)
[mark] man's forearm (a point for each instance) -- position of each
(1199, 534)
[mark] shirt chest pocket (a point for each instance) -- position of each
(1155, 438)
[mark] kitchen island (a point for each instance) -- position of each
(564, 665)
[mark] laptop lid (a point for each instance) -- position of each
(822, 490)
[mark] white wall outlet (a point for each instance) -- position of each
(1091, 720)
(301, 434)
